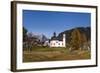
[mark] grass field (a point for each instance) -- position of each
(54, 54)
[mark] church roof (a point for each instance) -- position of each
(56, 38)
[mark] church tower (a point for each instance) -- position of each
(64, 40)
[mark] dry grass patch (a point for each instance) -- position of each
(54, 54)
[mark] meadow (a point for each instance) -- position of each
(39, 54)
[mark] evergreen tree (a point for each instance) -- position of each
(24, 34)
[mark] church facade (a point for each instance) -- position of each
(58, 43)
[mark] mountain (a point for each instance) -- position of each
(83, 30)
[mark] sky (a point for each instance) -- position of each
(48, 22)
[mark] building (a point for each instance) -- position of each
(58, 43)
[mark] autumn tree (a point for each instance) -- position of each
(84, 42)
(77, 39)
(84, 39)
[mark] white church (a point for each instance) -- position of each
(58, 43)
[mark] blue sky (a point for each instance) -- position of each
(47, 22)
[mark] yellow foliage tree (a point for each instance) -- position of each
(77, 39)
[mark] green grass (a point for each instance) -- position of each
(47, 48)
(54, 54)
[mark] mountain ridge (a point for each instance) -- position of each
(83, 30)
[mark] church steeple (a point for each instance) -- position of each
(54, 34)
(64, 40)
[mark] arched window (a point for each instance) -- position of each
(59, 43)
